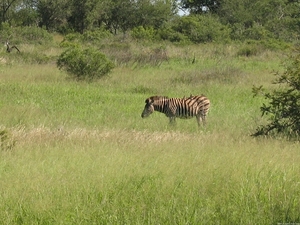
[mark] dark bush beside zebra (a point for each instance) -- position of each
(183, 108)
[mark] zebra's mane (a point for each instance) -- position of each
(155, 98)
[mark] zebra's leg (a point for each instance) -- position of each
(199, 119)
(172, 120)
(204, 119)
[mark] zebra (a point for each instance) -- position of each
(184, 108)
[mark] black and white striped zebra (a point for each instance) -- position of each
(184, 108)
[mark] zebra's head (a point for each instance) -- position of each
(154, 103)
(149, 108)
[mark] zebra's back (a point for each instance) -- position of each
(201, 102)
(189, 107)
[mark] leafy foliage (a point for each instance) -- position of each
(249, 49)
(25, 35)
(124, 15)
(84, 64)
(90, 37)
(143, 33)
(95, 36)
(208, 20)
(201, 6)
(198, 29)
(284, 103)
(167, 32)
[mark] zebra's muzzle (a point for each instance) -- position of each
(144, 115)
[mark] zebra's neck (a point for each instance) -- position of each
(160, 105)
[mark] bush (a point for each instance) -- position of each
(255, 32)
(202, 28)
(71, 40)
(249, 49)
(254, 47)
(284, 103)
(143, 33)
(89, 37)
(25, 35)
(167, 33)
(84, 64)
(95, 36)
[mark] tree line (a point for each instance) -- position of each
(204, 20)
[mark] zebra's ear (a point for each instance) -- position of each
(149, 100)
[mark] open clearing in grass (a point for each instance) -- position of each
(80, 153)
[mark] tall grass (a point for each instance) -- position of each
(81, 153)
(120, 176)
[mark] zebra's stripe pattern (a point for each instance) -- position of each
(184, 108)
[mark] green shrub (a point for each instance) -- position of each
(255, 32)
(167, 33)
(198, 28)
(88, 37)
(284, 105)
(84, 64)
(95, 35)
(25, 35)
(275, 44)
(72, 37)
(34, 35)
(71, 40)
(254, 47)
(143, 33)
(249, 49)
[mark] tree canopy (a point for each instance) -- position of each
(255, 19)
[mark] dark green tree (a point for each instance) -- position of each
(278, 17)
(84, 14)
(154, 13)
(124, 15)
(201, 6)
(282, 18)
(198, 28)
(25, 15)
(253, 19)
(120, 16)
(283, 108)
(5, 7)
(52, 13)
(238, 11)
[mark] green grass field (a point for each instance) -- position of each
(80, 153)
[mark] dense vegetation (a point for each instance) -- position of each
(78, 152)
(207, 21)
(84, 63)
(284, 105)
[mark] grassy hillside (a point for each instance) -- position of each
(80, 153)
